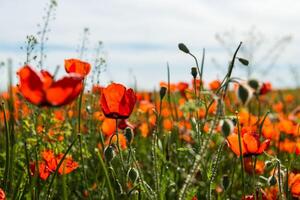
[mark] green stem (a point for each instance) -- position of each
(241, 155)
(110, 188)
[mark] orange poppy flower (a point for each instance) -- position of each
(117, 102)
(214, 85)
(67, 166)
(294, 184)
(41, 89)
(77, 66)
(108, 126)
(250, 144)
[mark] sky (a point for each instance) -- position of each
(141, 36)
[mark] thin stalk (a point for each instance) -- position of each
(241, 155)
(110, 188)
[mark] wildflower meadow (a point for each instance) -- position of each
(68, 136)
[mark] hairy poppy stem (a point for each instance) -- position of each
(241, 154)
(79, 135)
(118, 146)
(111, 191)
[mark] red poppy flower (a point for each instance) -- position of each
(117, 102)
(77, 66)
(265, 88)
(41, 89)
(250, 144)
(2, 195)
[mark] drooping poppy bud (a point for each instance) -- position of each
(244, 93)
(117, 102)
(183, 48)
(133, 175)
(227, 127)
(109, 153)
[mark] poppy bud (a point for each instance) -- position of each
(118, 187)
(162, 92)
(183, 48)
(243, 61)
(225, 181)
(132, 175)
(109, 153)
(272, 180)
(254, 84)
(244, 93)
(227, 127)
(268, 164)
(129, 135)
(194, 72)
(134, 194)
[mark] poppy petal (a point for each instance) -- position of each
(64, 90)
(251, 143)
(263, 146)
(233, 143)
(31, 85)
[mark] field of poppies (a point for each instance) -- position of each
(69, 137)
(228, 139)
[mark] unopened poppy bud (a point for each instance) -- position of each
(225, 181)
(268, 164)
(109, 153)
(227, 127)
(134, 194)
(119, 187)
(129, 135)
(162, 92)
(254, 84)
(133, 175)
(183, 48)
(272, 180)
(194, 72)
(243, 61)
(244, 93)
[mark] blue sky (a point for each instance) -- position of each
(141, 36)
